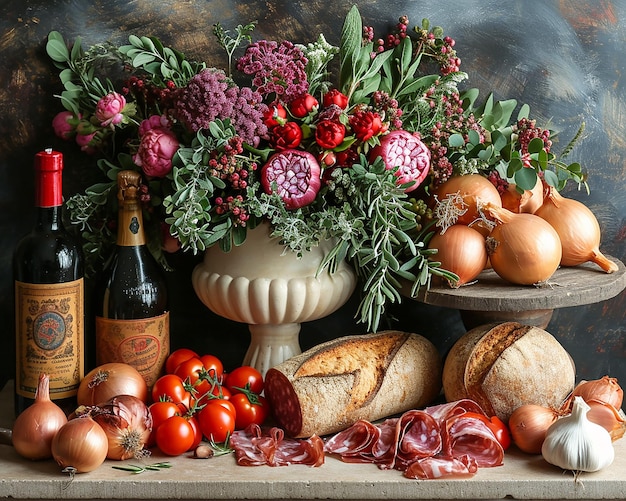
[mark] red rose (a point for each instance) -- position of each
(284, 137)
(274, 115)
(329, 134)
(302, 106)
(366, 124)
(335, 97)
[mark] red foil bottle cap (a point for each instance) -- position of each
(48, 186)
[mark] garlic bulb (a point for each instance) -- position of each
(575, 443)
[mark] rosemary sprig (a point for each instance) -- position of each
(136, 469)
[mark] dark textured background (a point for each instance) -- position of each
(564, 58)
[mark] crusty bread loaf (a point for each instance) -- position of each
(371, 376)
(503, 366)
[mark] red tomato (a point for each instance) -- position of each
(197, 432)
(175, 436)
(227, 404)
(497, 427)
(216, 422)
(190, 370)
(171, 388)
(213, 366)
(160, 411)
(247, 412)
(177, 357)
(245, 377)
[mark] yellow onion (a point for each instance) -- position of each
(523, 249)
(578, 230)
(528, 425)
(467, 195)
(526, 201)
(109, 380)
(461, 250)
(80, 445)
(36, 426)
(606, 389)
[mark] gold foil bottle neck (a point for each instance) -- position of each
(128, 183)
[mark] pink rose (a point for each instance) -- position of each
(156, 150)
(109, 109)
(62, 126)
(154, 122)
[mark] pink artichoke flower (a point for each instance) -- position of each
(156, 150)
(109, 109)
(62, 126)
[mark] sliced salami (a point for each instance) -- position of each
(438, 467)
(255, 446)
(442, 440)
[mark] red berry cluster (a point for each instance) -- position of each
(226, 164)
(456, 122)
(501, 184)
(527, 130)
(150, 94)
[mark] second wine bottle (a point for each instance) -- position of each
(132, 316)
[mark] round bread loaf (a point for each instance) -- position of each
(331, 386)
(505, 365)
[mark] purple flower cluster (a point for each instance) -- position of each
(276, 69)
(211, 95)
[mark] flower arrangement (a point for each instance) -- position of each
(275, 137)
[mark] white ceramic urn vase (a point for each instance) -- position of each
(272, 290)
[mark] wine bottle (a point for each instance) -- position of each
(49, 296)
(132, 317)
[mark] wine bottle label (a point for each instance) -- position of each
(143, 343)
(50, 337)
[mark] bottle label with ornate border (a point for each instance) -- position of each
(49, 337)
(143, 343)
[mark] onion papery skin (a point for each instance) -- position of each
(578, 230)
(80, 445)
(523, 249)
(37, 425)
(528, 201)
(461, 250)
(476, 190)
(110, 380)
(528, 425)
(606, 389)
(127, 423)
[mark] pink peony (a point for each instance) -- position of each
(62, 126)
(156, 150)
(154, 122)
(109, 109)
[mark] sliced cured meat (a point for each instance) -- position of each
(438, 467)
(471, 436)
(355, 444)
(255, 446)
(442, 440)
